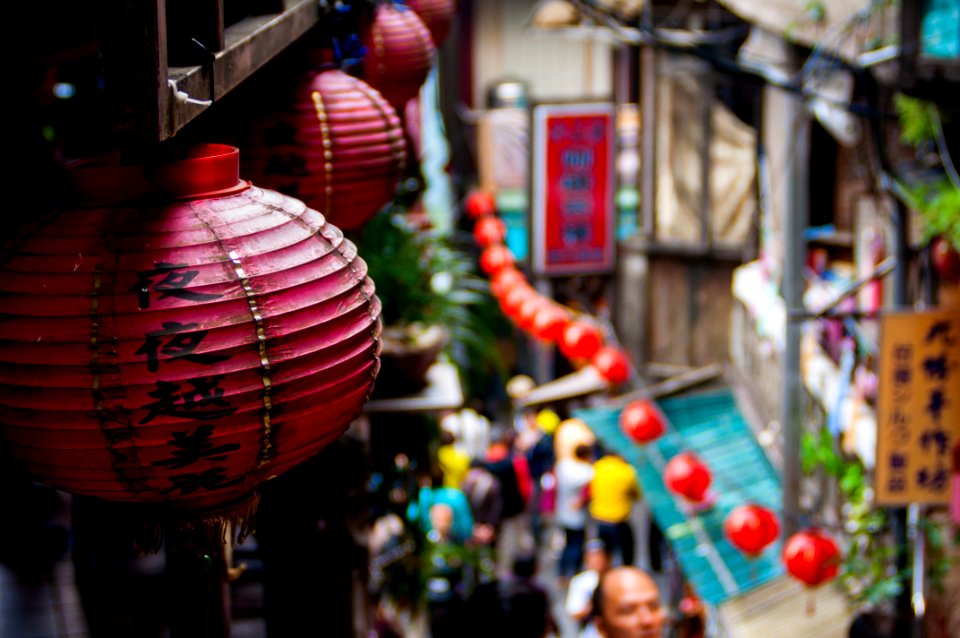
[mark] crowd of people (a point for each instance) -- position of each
(521, 520)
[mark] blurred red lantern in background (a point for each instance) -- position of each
(812, 557)
(339, 147)
(436, 15)
(580, 340)
(945, 259)
(181, 336)
(400, 53)
(495, 258)
(612, 364)
(641, 421)
(549, 322)
(529, 309)
(687, 476)
(515, 298)
(479, 204)
(751, 528)
(506, 279)
(489, 230)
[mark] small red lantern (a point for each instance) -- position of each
(641, 421)
(489, 230)
(495, 258)
(945, 259)
(549, 322)
(505, 280)
(339, 147)
(751, 528)
(687, 476)
(529, 309)
(812, 557)
(479, 204)
(181, 336)
(400, 53)
(437, 15)
(612, 364)
(580, 340)
(514, 299)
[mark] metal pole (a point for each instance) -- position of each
(797, 216)
(648, 131)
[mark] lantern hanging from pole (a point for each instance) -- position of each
(495, 258)
(339, 147)
(181, 336)
(400, 53)
(751, 528)
(489, 230)
(550, 322)
(436, 15)
(641, 421)
(480, 203)
(612, 364)
(812, 557)
(580, 340)
(687, 476)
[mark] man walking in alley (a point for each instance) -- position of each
(626, 604)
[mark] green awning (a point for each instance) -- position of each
(710, 425)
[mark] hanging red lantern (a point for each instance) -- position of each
(437, 15)
(489, 230)
(514, 299)
(181, 336)
(528, 310)
(687, 476)
(751, 528)
(339, 147)
(479, 204)
(580, 340)
(400, 53)
(641, 421)
(506, 279)
(945, 259)
(812, 557)
(612, 364)
(494, 258)
(549, 322)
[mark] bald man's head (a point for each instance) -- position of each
(627, 605)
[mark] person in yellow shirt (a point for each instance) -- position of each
(453, 463)
(613, 491)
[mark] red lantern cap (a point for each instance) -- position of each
(494, 258)
(641, 421)
(489, 230)
(687, 476)
(580, 340)
(812, 557)
(612, 364)
(751, 528)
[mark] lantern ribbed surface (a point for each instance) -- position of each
(399, 54)
(184, 350)
(436, 15)
(339, 147)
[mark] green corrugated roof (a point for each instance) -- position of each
(710, 425)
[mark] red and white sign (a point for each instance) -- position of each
(573, 188)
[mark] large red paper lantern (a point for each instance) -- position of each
(612, 364)
(751, 528)
(181, 336)
(580, 340)
(687, 476)
(339, 147)
(400, 53)
(436, 15)
(812, 557)
(641, 421)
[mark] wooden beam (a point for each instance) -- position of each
(685, 381)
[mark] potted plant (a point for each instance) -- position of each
(432, 301)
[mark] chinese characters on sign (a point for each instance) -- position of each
(573, 187)
(194, 455)
(918, 416)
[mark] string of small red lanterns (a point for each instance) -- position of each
(534, 313)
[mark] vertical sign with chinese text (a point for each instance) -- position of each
(573, 189)
(918, 416)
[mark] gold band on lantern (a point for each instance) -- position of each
(327, 147)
